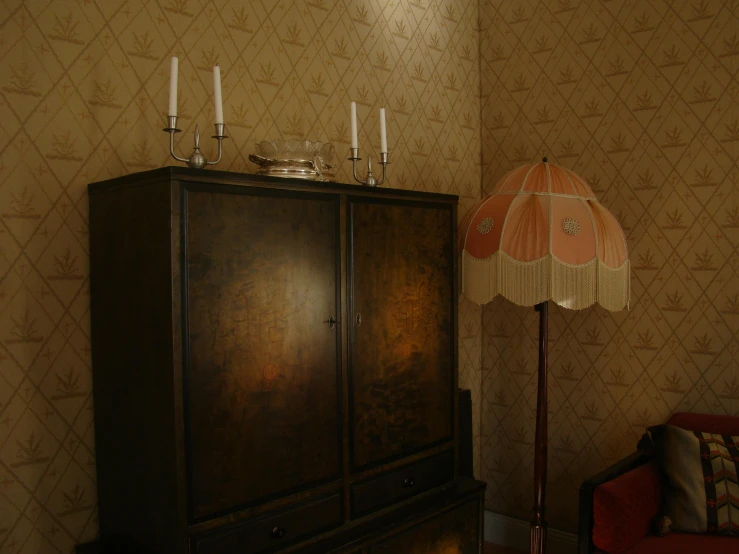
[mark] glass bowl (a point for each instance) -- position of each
(295, 150)
(303, 159)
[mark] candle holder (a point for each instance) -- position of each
(371, 180)
(197, 159)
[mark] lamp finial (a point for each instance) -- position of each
(545, 159)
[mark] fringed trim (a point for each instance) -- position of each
(575, 287)
(614, 286)
(479, 278)
(524, 284)
(529, 283)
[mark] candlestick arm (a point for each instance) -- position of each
(354, 170)
(172, 129)
(354, 158)
(219, 136)
(220, 152)
(171, 147)
(383, 162)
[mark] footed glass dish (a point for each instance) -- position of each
(302, 159)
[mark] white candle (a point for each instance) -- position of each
(173, 86)
(217, 93)
(355, 142)
(383, 133)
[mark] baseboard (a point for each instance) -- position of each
(514, 533)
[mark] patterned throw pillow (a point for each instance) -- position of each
(702, 494)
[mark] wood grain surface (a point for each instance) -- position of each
(263, 363)
(402, 355)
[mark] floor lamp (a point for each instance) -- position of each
(542, 235)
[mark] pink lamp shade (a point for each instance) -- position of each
(542, 235)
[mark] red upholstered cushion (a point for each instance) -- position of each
(706, 423)
(623, 508)
(685, 543)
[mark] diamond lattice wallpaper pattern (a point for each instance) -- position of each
(642, 99)
(83, 97)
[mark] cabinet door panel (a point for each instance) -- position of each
(262, 374)
(402, 354)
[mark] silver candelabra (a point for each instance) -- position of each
(197, 159)
(371, 180)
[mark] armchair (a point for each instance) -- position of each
(618, 505)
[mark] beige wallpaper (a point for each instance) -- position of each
(638, 97)
(641, 98)
(83, 97)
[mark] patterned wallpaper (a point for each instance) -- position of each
(83, 97)
(642, 99)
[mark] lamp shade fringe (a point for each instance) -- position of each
(528, 284)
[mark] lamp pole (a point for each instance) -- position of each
(538, 522)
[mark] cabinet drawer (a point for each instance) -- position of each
(272, 532)
(398, 484)
(457, 530)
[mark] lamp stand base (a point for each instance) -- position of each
(538, 538)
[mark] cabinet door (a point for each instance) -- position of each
(262, 373)
(401, 329)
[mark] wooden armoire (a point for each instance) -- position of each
(274, 367)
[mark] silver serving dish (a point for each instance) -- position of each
(302, 159)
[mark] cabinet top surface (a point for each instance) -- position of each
(186, 174)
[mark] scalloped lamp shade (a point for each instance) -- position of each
(542, 235)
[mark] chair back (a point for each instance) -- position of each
(707, 423)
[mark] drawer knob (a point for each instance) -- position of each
(278, 532)
(408, 482)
